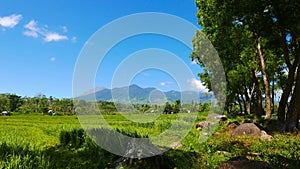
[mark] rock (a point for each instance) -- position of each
(202, 124)
(248, 129)
(199, 128)
(252, 121)
(244, 163)
(265, 136)
(176, 145)
(205, 133)
(231, 126)
(222, 152)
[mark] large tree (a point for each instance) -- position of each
(257, 40)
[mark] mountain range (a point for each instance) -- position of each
(136, 94)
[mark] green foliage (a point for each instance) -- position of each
(38, 104)
(143, 108)
(10, 102)
(204, 107)
(258, 44)
(172, 108)
(106, 107)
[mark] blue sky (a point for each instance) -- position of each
(40, 42)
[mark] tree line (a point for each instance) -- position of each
(37, 104)
(258, 42)
(13, 103)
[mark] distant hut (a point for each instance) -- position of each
(4, 113)
(51, 112)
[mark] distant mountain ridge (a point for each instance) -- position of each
(138, 94)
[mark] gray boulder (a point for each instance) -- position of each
(265, 136)
(248, 129)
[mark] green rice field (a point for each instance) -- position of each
(42, 141)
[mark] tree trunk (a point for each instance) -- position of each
(247, 103)
(273, 95)
(291, 77)
(240, 104)
(265, 79)
(258, 99)
(285, 95)
(251, 99)
(244, 104)
(294, 109)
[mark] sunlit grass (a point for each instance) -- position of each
(36, 131)
(34, 140)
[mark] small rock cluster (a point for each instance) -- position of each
(176, 145)
(246, 128)
(203, 124)
(212, 119)
(250, 129)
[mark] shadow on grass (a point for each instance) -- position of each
(78, 151)
(282, 162)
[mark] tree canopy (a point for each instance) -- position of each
(258, 44)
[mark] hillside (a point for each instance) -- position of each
(138, 94)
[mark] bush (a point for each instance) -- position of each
(203, 107)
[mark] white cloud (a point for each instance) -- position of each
(53, 36)
(74, 39)
(33, 30)
(65, 29)
(162, 83)
(197, 85)
(166, 84)
(31, 34)
(10, 21)
(32, 26)
(52, 59)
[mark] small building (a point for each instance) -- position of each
(4, 113)
(51, 112)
